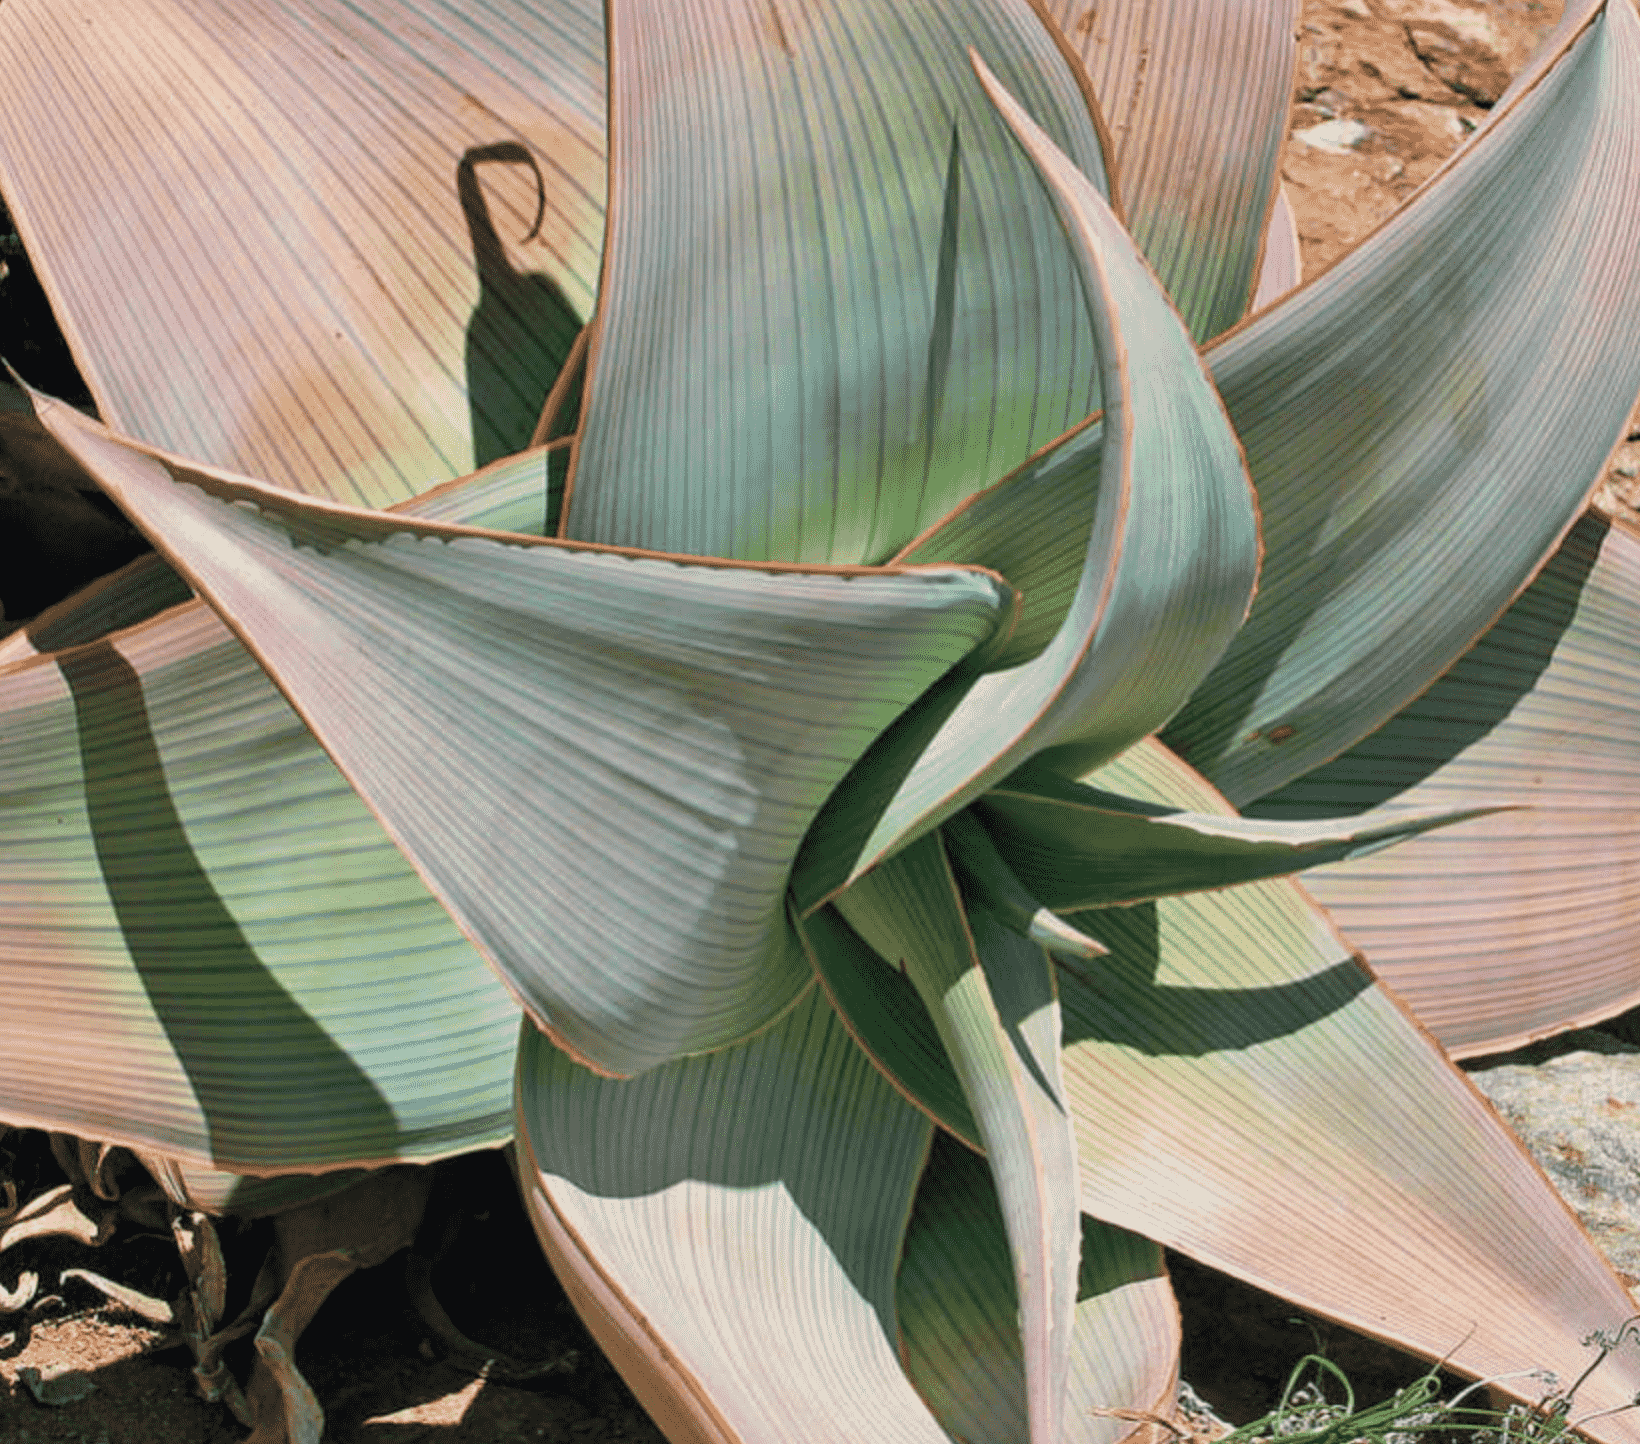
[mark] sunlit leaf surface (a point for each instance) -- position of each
(836, 300)
(958, 1316)
(1165, 581)
(1244, 1093)
(601, 763)
(992, 997)
(730, 1228)
(1424, 420)
(1523, 923)
(344, 247)
(1196, 95)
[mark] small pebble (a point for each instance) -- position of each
(1336, 137)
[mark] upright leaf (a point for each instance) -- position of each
(835, 301)
(992, 998)
(650, 737)
(1522, 923)
(1424, 421)
(343, 246)
(1165, 580)
(1196, 96)
(729, 1227)
(958, 1316)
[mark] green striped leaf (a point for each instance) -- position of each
(212, 949)
(1521, 924)
(1246, 1094)
(992, 998)
(958, 1314)
(213, 1191)
(1032, 527)
(729, 1226)
(653, 737)
(1074, 846)
(177, 853)
(836, 300)
(1424, 421)
(345, 247)
(1196, 95)
(887, 1018)
(1164, 583)
(518, 493)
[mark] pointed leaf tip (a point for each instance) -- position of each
(1169, 568)
(653, 734)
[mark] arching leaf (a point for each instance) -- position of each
(992, 997)
(651, 738)
(212, 949)
(1520, 924)
(836, 300)
(1425, 420)
(345, 247)
(183, 868)
(1170, 563)
(958, 1316)
(1246, 1094)
(1196, 96)
(1074, 846)
(729, 1226)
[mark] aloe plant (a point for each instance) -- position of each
(762, 537)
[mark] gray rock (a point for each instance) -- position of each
(1575, 1102)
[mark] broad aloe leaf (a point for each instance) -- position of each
(959, 1325)
(1164, 583)
(1408, 494)
(345, 247)
(177, 853)
(1033, 527)
(994, 1004)
(836, 300)
(212, 950)
(1245, 1093)
(519, 493)
(729, 1227)
(213, 1191)
(1523, 923)
(137, 591)
(1074, 846)
(1196, 96)
(651, 736)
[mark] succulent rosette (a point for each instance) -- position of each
(771, 540)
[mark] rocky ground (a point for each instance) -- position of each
(1387, 89)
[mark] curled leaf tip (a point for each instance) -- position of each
(987, 881)
(1062, 940)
